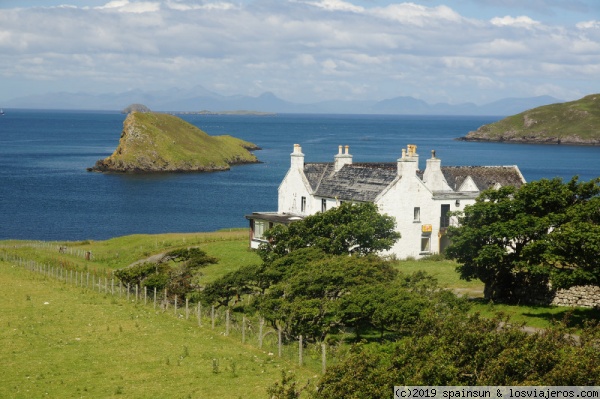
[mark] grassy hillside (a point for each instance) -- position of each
(64, 339)
(576, 122)
(231, 248)
(155, 142)
(61, 341)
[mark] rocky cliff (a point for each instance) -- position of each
(154, 142)
(575, 122)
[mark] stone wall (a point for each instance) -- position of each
(583, 295)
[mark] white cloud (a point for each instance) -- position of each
(589, 25)
(410, 13)
(520, 22)
(336, 5)
(183, 6)
(305, 50)
(127, 6)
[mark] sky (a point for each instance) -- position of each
(304, 51)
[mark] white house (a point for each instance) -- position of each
(419, 200)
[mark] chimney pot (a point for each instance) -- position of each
(347, 150)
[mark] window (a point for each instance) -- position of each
(417, 214)
(303, 204)
(260, 228)
(425, 244)
(323, 205)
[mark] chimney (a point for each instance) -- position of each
(433, 177)
(342, 158)
(409, 163)
(297, 157)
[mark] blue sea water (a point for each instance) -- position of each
(47, 194)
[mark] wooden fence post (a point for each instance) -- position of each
(199, 314)
(243, 329)
(212, 316)
(279, 343)
(127, 292)
(300, 353)
(227, 320)
(175, 312)
(323, 358)
(154, 298)
(145, 295)
(260, 332)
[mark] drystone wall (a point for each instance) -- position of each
(583, 295)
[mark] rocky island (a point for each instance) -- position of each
(575, 123)
(153, 142)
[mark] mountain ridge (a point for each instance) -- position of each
(199, 98)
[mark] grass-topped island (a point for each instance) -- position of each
(155, 142)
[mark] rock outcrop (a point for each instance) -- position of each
(154, 142)
(135, 108)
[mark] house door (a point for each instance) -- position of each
(444, 224)
(445, 218)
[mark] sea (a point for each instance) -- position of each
(46, 193)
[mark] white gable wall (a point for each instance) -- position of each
(399, 202)
(468, 185)
(291, 190)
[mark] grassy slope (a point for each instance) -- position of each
(166, 141)
(566, 121)
(60, 341)
(231, 247)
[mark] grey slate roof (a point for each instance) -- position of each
(484, 176)
(356, 182)
(363, 182)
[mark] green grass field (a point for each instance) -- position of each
(231, 248)
(61, 341)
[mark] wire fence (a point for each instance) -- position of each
(248, 329)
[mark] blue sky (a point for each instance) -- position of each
(304, 50)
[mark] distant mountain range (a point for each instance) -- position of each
(200, 99)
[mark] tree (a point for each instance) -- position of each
(347, 229)
(388, 306)
(512, 239)
(307, 300)
(178, 279)
(463, 349)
